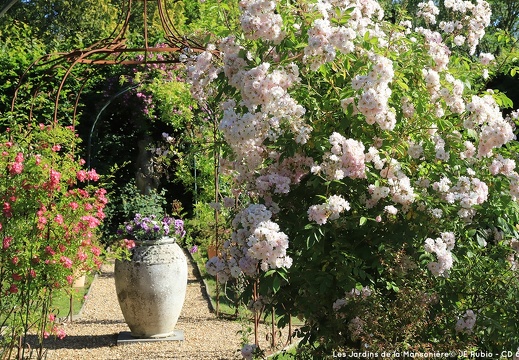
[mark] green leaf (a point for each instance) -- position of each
(502, 223)
(481, 240)
(283, 275)
(402, 84)
(270, 272)
(392, 286)
(276, 284)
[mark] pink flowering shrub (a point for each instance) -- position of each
(369, 155)
(50, 213)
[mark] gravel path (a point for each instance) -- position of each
(94, 335)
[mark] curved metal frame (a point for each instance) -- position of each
(110, 51)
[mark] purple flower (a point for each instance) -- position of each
(193, 249)
(151, 227)
(179, 227)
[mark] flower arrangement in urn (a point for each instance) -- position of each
(151, 275)
(149, 228)
(153, 227)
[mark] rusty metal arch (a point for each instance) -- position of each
(109, 51)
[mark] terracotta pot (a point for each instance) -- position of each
(151, 287)
(211, 251)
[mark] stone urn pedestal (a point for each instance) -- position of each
(151, 288)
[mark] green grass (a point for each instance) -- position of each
(226, 306)
(61, 299)
(284, 355)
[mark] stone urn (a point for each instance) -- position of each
(151, 287)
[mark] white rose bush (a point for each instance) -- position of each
(368, 157)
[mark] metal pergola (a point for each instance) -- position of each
(113, 50)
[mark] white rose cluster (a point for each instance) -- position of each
(473, 19)
(345, 159)
(259, 20)
(495, 130)
(330, 210)
(374, 93)
(201, 71)
(441, 247)
(466, 323)
(468, 192)
(428, 11)
(257, 243)
(325, 38)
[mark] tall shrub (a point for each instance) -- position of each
(50, 212)
(381, 174)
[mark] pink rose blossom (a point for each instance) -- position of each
(92, 221)
(7, 210)
(42, 220)
(19, 158)
(60, 333)
(81, 175)
(49, 250)
(66, 262)
(129, 244)
(92, 175)
(55, 177)
(100, 214)
(95, 250)
(81, 256)
(7, 242)
(16, 168)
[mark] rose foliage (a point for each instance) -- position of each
(48, 222)
(379, 172)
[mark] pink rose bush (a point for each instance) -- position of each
(48, 225)
(401, 174)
